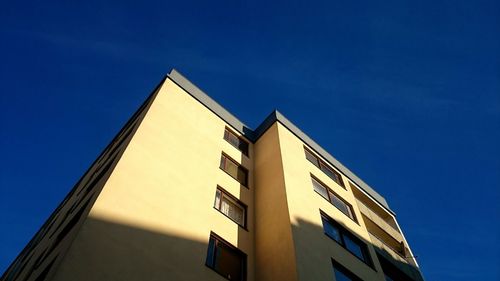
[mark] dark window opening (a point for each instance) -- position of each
(234, 169)
(230, 206)
(330, 172)
(341, 273)
(391, 272)
(346, 239)
(236, 141)
(226, 259)
(333, 198)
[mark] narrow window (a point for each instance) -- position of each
(331, 230)
(226, 259)
(312, 158)
(234, 169)
(346, 239)
(236, 141)
(343, 206)
(333, 198)
(343, 274)
(320, 188)
(230, 206)
(354, 246)
(330, 172)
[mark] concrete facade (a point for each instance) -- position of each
(145, 209)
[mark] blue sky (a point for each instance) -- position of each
(404, 93)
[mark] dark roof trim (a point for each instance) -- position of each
(275, 116)
(212, 105)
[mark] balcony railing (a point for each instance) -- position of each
(381, 222)
(405, 263)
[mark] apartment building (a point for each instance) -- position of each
(186, 191)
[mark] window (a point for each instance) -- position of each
(234, 169)
(346, 239)
(392, 272)
(236, 141)
(230, 206)
(226, 259)
(343, 274)
(333, 198)
(334, 175)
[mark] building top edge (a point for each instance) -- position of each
(212, 105)
(275, 116)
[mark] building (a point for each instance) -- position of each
(186, 191)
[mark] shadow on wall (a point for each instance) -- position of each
(310, 244)
(105, 250)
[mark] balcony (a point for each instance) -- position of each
(387, 225)
(397, 257)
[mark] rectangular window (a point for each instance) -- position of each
(312, 158)
(226, 259)
(320, 189)
(230, 206)
(236, 141)
(334, 175)
(343, 274)
(234, 169)
(333, 198)
(346, 239)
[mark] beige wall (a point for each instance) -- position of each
(153, 219)
(275, 252)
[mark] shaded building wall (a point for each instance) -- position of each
(153, 219)
(275, 253)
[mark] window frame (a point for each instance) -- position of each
(224, 193)
(239, 167)
(330, 192)
(342, 269)
(228, 132)
(343, 232)
(325, 167)
(217, 239)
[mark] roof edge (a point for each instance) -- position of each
(209, 103)
(275, 116)
(332, 160)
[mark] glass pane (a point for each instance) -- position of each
(229, 262)
(341, 205)
(329, 172)
(217, 199)
(231, 168)
(243, 147)
(319, 188)
(339, 276)
(354, 247)
(311, 158)
(232, 210)
(242, 176)
(234, 140)
(222, 162)
(211, 252)
(332, 231)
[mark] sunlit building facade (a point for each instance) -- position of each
(186, 191)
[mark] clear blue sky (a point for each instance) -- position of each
(404, 93)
